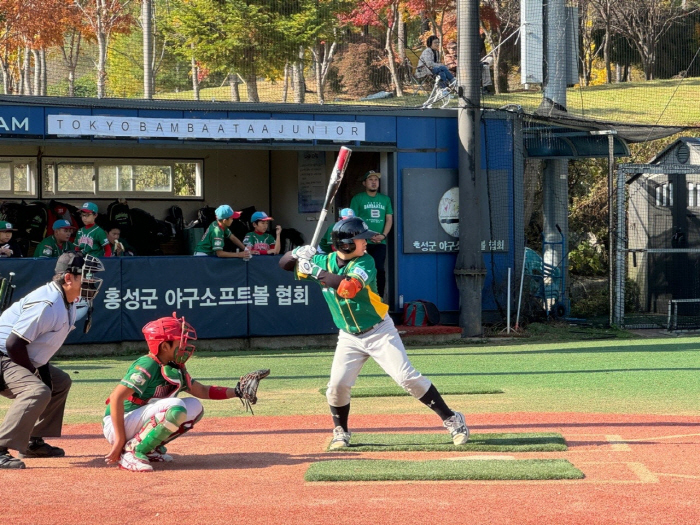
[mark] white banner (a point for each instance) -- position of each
(186, 128)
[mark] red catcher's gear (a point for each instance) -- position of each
(171, 329)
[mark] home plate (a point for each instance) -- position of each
(481, 457)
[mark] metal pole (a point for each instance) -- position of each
(508, 308)
(620, 268)
(611, 216)
(469, 268)
(520, 295)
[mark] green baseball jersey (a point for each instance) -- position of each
(151, 380)
(364, 310)
(49, 247)
(213, 239)
(92, 240)
(326, 242)
(373, 210)
(263, 242)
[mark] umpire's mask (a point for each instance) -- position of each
(85, 266)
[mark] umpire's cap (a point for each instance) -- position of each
(71, 262)
(225, 211)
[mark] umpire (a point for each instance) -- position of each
(31, 332)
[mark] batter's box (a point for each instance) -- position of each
(617, 472)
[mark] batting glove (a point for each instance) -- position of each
(307, 268)
(304, 252)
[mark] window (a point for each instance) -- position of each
(691, 194)
(149, 178)
(18, 177)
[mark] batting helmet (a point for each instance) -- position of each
(171, 329)
(347, 230)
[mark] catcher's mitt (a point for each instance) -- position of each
(247, 387)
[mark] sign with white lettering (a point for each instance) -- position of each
(247, 129)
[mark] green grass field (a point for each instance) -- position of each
(603, 373)
(664, 102)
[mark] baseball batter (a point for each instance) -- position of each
(348, 280)
(31, 331)
(144, 413)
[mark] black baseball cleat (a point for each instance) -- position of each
(38, 448)
(8, 461)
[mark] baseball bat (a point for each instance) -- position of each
(7, 298)
(336, 178)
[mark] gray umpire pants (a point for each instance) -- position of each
(35, 411)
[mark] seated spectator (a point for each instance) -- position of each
(91, 239)
(325, 245)
(451, 57)
(57, 244)
(120, 247)
(259, 240)
(8, 247)
(212, 242)
(428, 63)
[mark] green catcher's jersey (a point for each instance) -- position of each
(213, 239)
(92, 240)
(364, 310)
(149, 380)
(372, 210)
(49, 247)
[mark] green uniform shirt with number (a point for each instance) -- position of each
(49, 247)
(92, 240)
(364, 310)
(213, 239)
(263, 242)
(373, 210)
(149, 379)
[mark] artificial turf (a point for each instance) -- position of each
(510, 442)
(436, 470)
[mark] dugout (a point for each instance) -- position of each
(277, 160)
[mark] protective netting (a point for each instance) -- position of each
(663, 251)
(619, 60)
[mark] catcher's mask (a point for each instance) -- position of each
(86, 266)
(347, 230)
(171, 329)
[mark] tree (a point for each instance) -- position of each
(499, 20)
(644, 23)
(237, 37)
(105, 18)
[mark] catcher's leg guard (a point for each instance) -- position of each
(185, 427)
(156, 431)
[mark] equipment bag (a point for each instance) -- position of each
(420, 313)
(119, 213)
(205, 216)
(36, 215)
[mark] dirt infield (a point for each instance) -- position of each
(639, 469)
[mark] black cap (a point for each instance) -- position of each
(70, 262)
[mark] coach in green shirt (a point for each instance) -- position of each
(375, 209)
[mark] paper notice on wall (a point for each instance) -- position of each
(312, 181)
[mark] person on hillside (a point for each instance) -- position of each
(429, 63)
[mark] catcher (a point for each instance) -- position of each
(144, 413)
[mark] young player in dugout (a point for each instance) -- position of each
(212, 242)
(259, 240)
(348, 280)
(143, 412)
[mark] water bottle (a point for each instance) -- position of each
(247, 256)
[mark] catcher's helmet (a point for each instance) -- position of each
(171, 329)
(347, 230)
